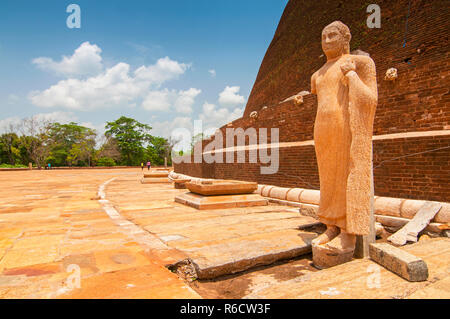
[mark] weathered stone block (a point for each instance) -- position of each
(309, 210)
(398, 261)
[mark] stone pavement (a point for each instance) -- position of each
(217, 241)
(364, 279)
(53, 225)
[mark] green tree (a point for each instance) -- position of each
(106, 161)
(9, 148)
(108, 149)
(35, 139)
(71, 144)
(131, 137)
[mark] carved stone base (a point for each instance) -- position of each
(324, 257)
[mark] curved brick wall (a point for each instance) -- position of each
(417, 102)
(295, 54)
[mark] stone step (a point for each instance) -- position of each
(242, 253)
(220, 201)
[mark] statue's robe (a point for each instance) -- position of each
(343, 143)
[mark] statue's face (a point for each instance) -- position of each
(333, 42)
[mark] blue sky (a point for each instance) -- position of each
(165, 63)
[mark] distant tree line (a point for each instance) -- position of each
(41, 142)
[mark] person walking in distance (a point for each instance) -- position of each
(149, 165)
(142, 166)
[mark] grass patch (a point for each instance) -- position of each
(12, 166)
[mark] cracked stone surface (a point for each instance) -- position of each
(120, 239)
(52, 227)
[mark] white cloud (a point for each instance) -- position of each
(61, 117)
(99, 128)
(214, 118)
(86, 60)
(229, 97)
(166, 128)
(212, 72)
(157, 100)
(163, 100)
(116, 86)
(180, 128)
(112, 88)
(186, 100)
(164, 70)
(6, 123)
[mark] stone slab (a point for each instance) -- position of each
(437, 290)
(155, 180)
(363, 278)
(410, 231)
(222, 187)
(156, 174)
(398, 222)
(249, 251)
(221, 201)
(402, 263)
(68, 225)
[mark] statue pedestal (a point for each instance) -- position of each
(155, 177)
(216, 194)
(323, 257)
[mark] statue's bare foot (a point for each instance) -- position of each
(345, 242)
(329, 234)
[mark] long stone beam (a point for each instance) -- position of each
(384, 206)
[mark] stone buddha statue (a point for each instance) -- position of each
(346, 89)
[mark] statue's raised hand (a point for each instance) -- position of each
(348, 65)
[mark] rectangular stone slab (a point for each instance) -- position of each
(248, 252)
(222, 187)
(398, 261)
(155, 180)
(220, 201)
(156, 174)
(422, 218)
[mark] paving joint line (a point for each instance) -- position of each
(129, 228)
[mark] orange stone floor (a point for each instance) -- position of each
(52, 228)
(100, 233)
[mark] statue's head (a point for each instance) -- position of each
(336, 39)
